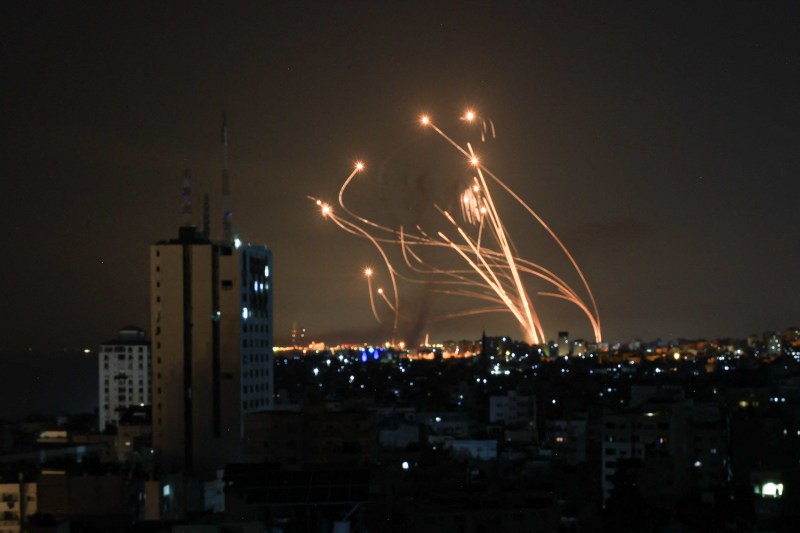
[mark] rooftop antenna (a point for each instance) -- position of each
(186, 198)
(206, 216)
(227, 228)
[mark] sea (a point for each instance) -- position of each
(51, 384)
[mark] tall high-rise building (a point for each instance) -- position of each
(211, 315)
(123, 374)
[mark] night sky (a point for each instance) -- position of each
(659, 140)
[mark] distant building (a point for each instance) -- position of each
(651, 431)
(85, 494)
(563, 343)
(211, 317)
(513, 410)
(123, 374)
(399, 436)
(579, 347)
(567, 439)
(773, 343)
(18, 502)
(309, 438)
(134, 435)
(298, 335)
(476, 449)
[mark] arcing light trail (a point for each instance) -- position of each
(491, 271)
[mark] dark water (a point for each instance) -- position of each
(47, 383)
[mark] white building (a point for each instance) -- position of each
(124, 374)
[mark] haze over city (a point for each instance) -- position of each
(399, 266)
(656, 139)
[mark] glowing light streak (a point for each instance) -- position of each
(494, 267)
(368, 273)
(382, 294)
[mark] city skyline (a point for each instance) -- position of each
(656, 140)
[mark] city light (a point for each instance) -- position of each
(772, 490)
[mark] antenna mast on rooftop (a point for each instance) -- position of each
(227, 227)
(186, 198)
(206, 216)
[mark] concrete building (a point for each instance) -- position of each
(18, 502)
(476, 449)
(563, 344)
(651, 431)
(310, 438)
(513, 410)
(123, 375)
(134, 435)
(211, 318)
(567, 439)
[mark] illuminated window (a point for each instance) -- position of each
(772, 490)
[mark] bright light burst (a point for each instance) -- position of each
(491, 270)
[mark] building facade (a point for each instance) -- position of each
(211, 316)
(18, 502)
(123, 375)
(513, 410)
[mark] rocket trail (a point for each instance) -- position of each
(492, 269)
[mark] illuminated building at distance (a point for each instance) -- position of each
(123, 374)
